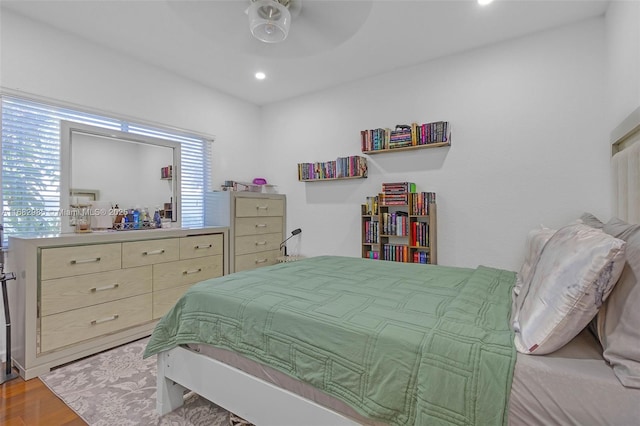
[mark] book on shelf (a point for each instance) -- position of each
(405, 135)
(394, 199)
(421, 201)
(372, 232)
(342, 167)
(420, 257)
(395, 223)
(398, 187)
(166, 172)
(420, 234)
(396, 252)
(373, 254)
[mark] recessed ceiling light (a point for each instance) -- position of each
(260, 75)
(484, 2)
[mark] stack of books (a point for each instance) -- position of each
(401, 136)
(396, 193)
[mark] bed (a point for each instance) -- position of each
(344, 341)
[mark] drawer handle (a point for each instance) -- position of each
(149, 253)
(106, 287)
(261, 243)
(261, 225)
(77, 262)
(101, 320)
(262, 207)
(193, 271)
(203, 247)
(261, 260)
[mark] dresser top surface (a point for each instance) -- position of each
(110, 236)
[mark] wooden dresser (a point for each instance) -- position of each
(256, 224)
(78, 294)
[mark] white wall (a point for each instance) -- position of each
(529, 145)
(40, 60)
(623, 60)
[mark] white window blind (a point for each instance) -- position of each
(30, 153)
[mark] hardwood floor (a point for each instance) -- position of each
(32, 403)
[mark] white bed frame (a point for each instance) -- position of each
(253, 399)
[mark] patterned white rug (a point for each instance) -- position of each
(118, 387)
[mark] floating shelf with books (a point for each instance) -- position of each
(354, 167)
(166, 173)
(399, 224)
(406, 137)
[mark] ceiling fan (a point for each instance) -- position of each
(269, 20)
(290, 28)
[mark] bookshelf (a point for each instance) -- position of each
(353, 167)
(406, 137)
(400, 230)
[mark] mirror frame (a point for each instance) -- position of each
(68, 128)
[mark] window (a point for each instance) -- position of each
(30, 154)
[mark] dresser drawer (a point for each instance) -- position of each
(255, 260)
(251, 207)
(64, 294)
(258, 225)
(201, 246)
(71, 327)
(257, 243)
(69, 261)
(139, 253)
(182, 272)
(164, 300)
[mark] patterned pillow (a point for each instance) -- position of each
(619, 319)
(576, 271)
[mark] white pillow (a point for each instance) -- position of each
(576, 271)
(536, 240)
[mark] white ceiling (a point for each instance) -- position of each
(331, 42)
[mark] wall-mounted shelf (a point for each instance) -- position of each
(407, 148)
(336, 178)
(406, 137)
(354, 167)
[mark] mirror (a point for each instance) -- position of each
(107, 168)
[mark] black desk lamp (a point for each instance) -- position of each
(293, 233)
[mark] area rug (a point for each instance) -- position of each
(118, 387)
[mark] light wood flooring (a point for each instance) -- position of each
(27, 403)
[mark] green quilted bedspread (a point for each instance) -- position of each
(402, 343)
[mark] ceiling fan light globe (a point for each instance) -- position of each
(269, 21)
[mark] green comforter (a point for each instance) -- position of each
(401, 343)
